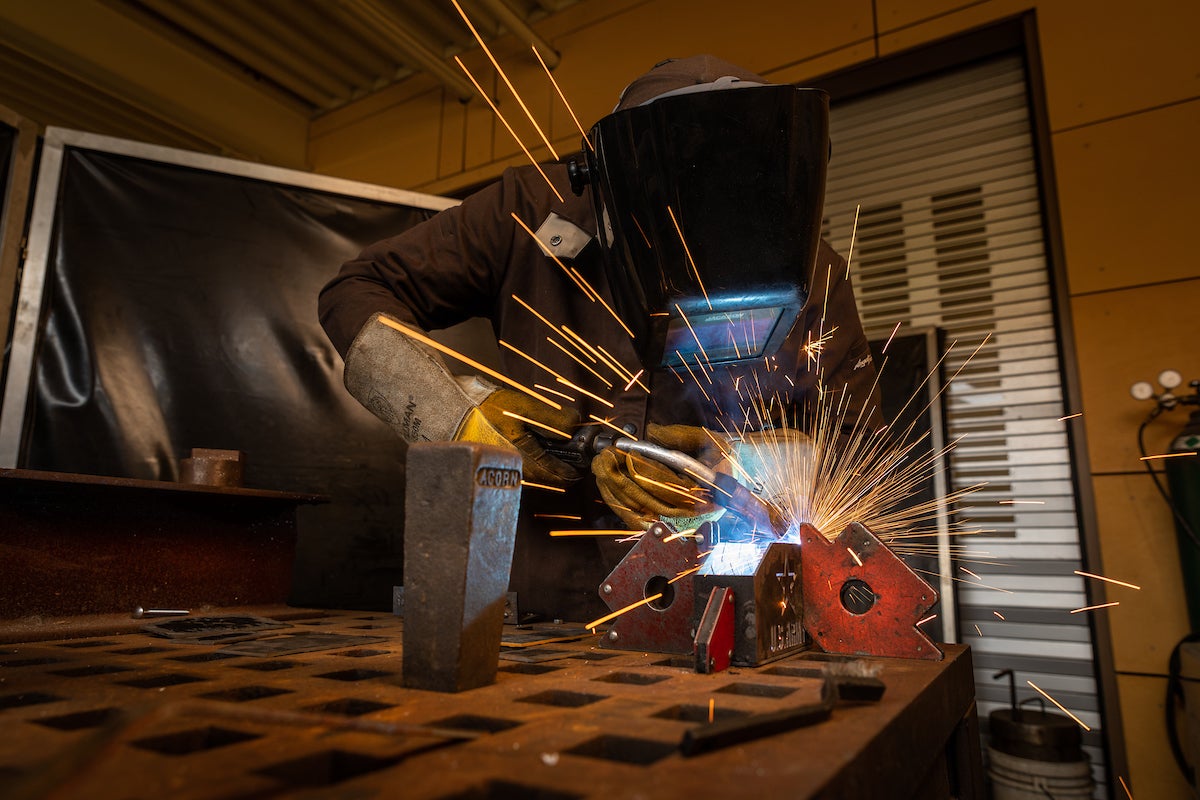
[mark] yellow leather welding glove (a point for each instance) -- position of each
(640, 491)
(503, 418)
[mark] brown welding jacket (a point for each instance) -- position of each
(470, 261)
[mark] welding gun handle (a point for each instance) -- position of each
(580, 449)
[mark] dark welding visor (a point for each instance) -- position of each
(709, 213)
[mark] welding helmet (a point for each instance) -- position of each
(708, 185)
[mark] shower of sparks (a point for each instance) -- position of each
(548, 488)
(562, 97)
(1109, 580)
(511, 132)
(591, 626)
(1093, 608)
(537, 424)
(1070, 416)
(470, 362)
(1061, 707)
(507, 82)
(1167, 455)
(813, 348)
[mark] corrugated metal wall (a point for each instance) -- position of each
(942, 175)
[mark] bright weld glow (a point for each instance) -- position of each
(533, 485)
(574, 517)
(685, 573)
(511, 132)
(921, 622)
(470, 362)
(972, 574)
(1070, 416)
(555, 392)
(541, 425)
(893, 336)
(507, 82)
(614, 427)
(634, 380)
(1110, 580)
(691, 261)
(998, 614)
(1061, 707)
(854, 555)
(591, 626)
(562, 96)
(1167, 455)
(622, 532)
(1093, 608)
(579, 282)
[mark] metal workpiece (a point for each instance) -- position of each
(209, 467)
(861, 599)
(768, 601)
(658, 563)
(460, 525)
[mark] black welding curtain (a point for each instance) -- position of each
(182, 312)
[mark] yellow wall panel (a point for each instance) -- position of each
(1127, 197)
(1137, 541)
(1151, 767)
(399, 148)
(1122, 337)
(949, 23)
(1105, 58)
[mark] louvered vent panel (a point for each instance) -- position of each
(942, 175)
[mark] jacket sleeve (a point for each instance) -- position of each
(434, 275)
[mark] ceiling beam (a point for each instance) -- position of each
(518, 27)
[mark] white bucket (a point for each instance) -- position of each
(1015, 778)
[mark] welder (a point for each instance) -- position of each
(694, 212)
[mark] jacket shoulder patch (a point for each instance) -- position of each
(562, 237)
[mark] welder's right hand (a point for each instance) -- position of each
(640, 490)
(498, 420)
(703, 444)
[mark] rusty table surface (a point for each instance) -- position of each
(95, 707)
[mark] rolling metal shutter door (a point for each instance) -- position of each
(942, 174)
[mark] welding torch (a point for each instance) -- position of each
(590, 440)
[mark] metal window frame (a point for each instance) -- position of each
(1019, 34)
(15, 207)
(18, 384)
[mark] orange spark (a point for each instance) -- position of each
(556, 392)
(998, 614)
(712, 707)
(562, 97)
(893, 335)
(691, 261)
(591, 626)
(622, 532)
(1167, 455)
(575, 517)
(1110, 580)
(634, 380)
(1070, 416)
(578, 388)
(528, 357)
(685, 573)
(535, 423)
(507, 82)
(1128, 793)
(1060, 705)
(574, 276)
(579, 361)
(854, 555)
(511, 132)
(693, 330)
(610, 425)
(1093, 608)
(533, 485)
(441, 348)
(921, 622)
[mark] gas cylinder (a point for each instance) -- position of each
(1035, 754)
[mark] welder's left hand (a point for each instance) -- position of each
(498, 420)
(640, 490)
